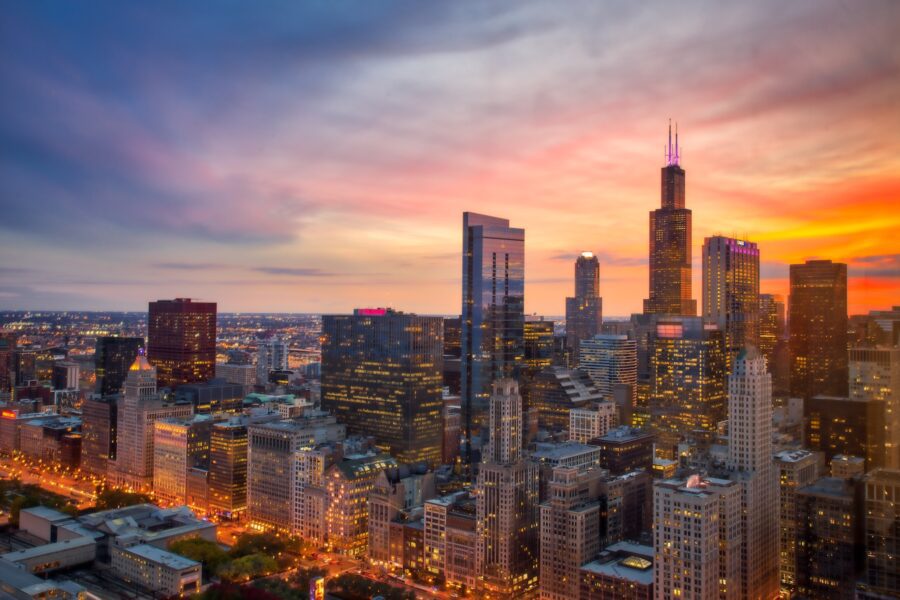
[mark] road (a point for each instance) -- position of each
(71, 485)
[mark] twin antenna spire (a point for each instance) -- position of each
(672, 153)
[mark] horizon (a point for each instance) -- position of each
(317, 160)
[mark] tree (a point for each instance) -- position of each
(231, 591)
(204, 551)
(355, 587)
(111, 498)
(248, 567)
(253, 543)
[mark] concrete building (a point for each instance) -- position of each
(396, 493)
(697, 538)
(213, 396)
(841, 425)
(450, 539)
(584, 310)
(882, 534)
(845, 467)
(179, 445)
(19, 584)
(591, 422)
(875, 375)
(99, 419)
(623, 571)
(54, 556)
(242, 375)
(555, 391)
(796, 470)
(609, 360)
(506, 495)
(625, 449)
(156, 570)
(271, 355)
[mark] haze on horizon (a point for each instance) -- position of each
(315, 157)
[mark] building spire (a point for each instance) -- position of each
(672, 153)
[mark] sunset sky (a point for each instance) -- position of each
(277, 157)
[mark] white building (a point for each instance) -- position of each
(244, 375)
(609, 360)
(178, 446)
(271, 355)
(588, 423)
(795, 469)
(875, 374)
(156, 569)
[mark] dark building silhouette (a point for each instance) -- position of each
(830, 547)
(882, 534)
(452, 354)
(584, 311)
(670, 244)
(624, 449)
(7, 373)
(216, 395)
(98, 429)
(112, 358)
(382, 376)
(182, 341)
(818, 329)
(849, 426)
(554, 391)
(493, 315)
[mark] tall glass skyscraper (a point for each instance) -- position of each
(112, 358)
(818, 323)
(584, 311)
(493, 313)
(731, 291)
(181, 341)
(382, 374)
(670, 244)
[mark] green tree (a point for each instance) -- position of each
(253, 543)
(111, 498)
(204, 551)
(248, 567)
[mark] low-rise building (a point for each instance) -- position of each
(52, 557)
(157, 570)
(624, 571)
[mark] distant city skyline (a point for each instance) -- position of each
(321, 161)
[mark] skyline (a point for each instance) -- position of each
(323, 162)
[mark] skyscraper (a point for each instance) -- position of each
(182, 340)
(493, 313)
(875, 375)
(584, 311)
(731, 291)
(382, 374)
(228, 467)
(670, 244)
(271, 355)
(848, 426)
(796, 469)
(179, 445)
(112, 357)
(773, 340)
(99, 419)
(506, 501)
(818, 325)
(610, 360)
(750, 465)
(882, 534)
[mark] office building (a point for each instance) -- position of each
(623, 571)
(571, 527)
(506, 501)
(450, 539)
(624, 449)
(213, 396)
(847, 467)
(179, 445)
(697, 538)
(687, 376)
(830, 543)
(555, 391)
(493, 314)
(112, 357)
(396, 493)
(382, 376)
(796, 469)
(242, 375)
(157, 570)
(853, 427)
(138, 409)
(7, 373)
(228, 467)
(882, 534)
(670, 243)
(610, 360)
(818, 329)
(731, 291)
(539, 347)
(65, 375)
(181, 341)
(875, 375)
(584, 311)
(591, 422)
(270, 467)
(749, 463)
(99, 419)
(271, 355)
(771, 325)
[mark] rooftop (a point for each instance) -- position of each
(562, 450)
(790, 456)
(43, 549)
(164, 557)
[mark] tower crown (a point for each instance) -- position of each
(673, 155)
(140, 362)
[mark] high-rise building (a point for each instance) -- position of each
(493, 314)
(112, 357)
(610, 360)
(555, 391)
(624, 449)
(670, 244)
(687, 376)
(179, 445)
(731, 291)
(875, 375)
(271, 355)
(818, 329)
(796, 469)
(181, 341)
(697, 538)
(99, 419)
(228, 468)
(7, 373)
(830, 544)
(771, 325)
(853, 427)
(882, 534)
(65, 375)
(584, 311)
(271, 465)
(138, 409)
(382, 376)
(749, 463)
(571, 529)
(506, 501)
(539, 347)
(591, 422)
(243, 375)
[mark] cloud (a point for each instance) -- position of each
(295, 272)
(878, 266)
(185, 266)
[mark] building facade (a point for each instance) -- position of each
(796, 469)
(181, 341)
(112, 357)
(875, 375)
(584, 310)
(841, 425)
